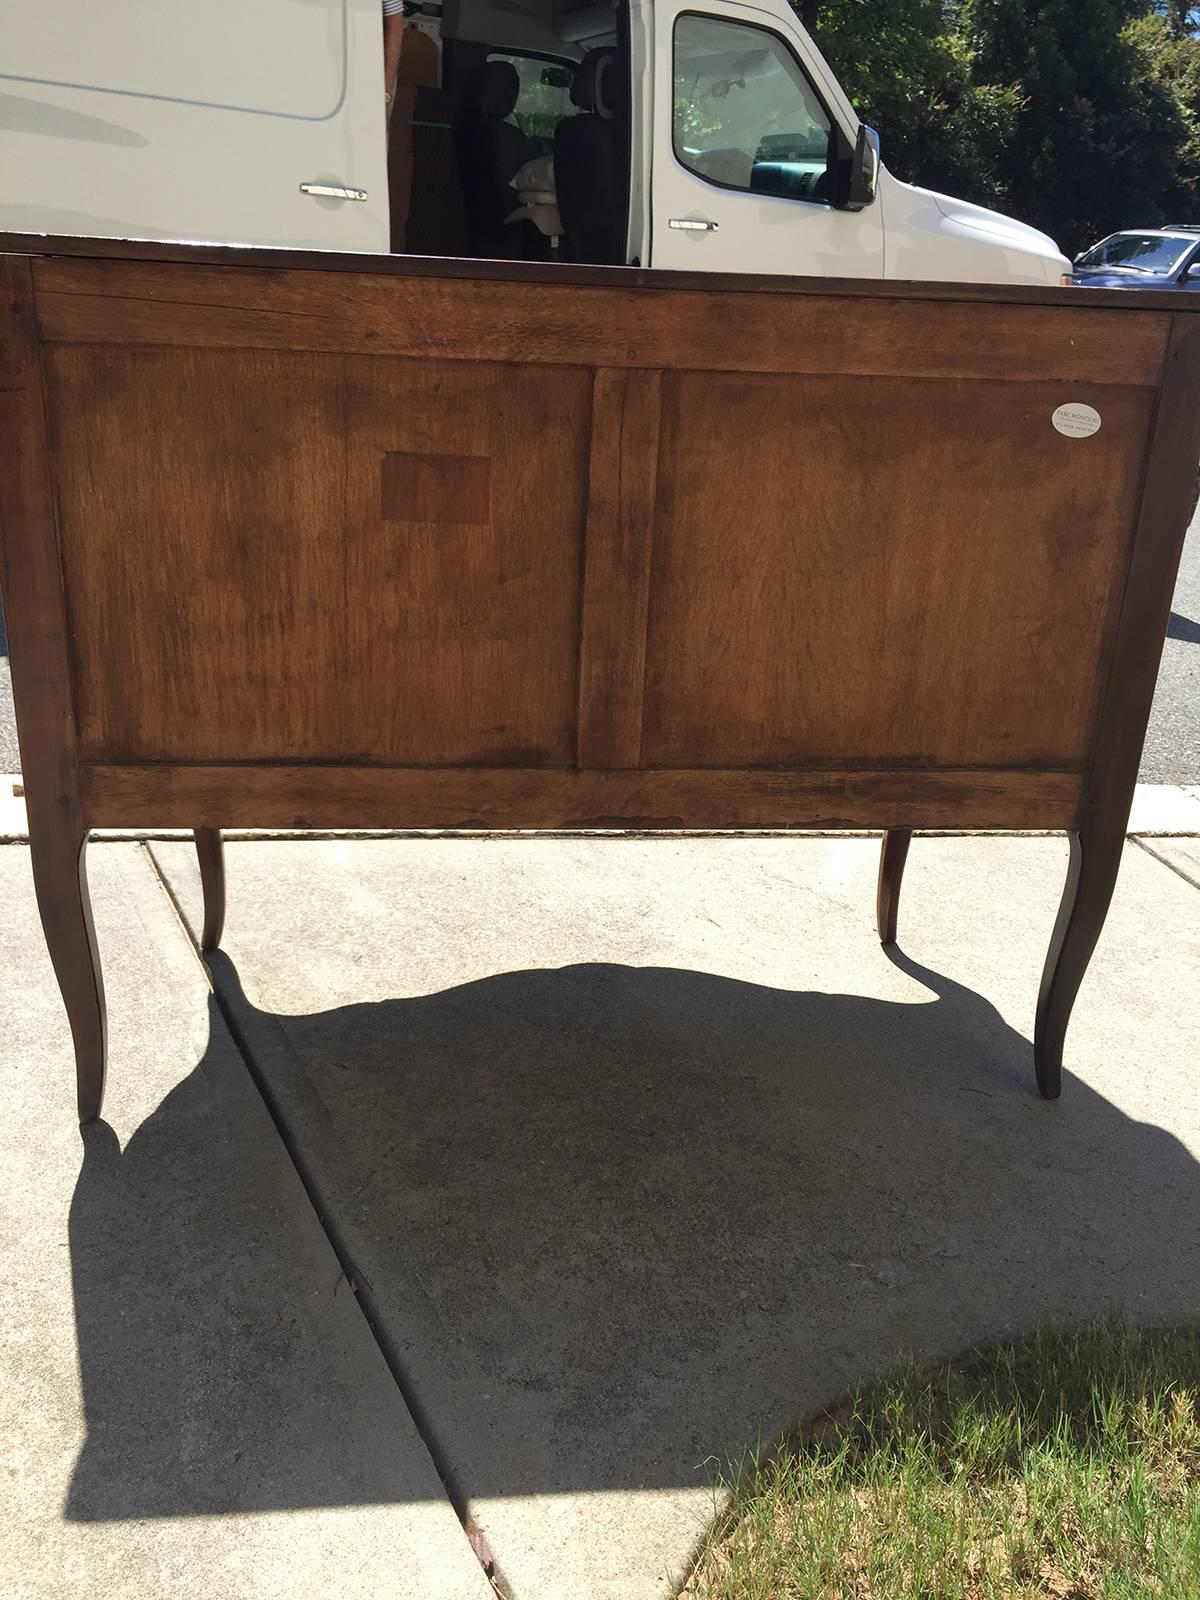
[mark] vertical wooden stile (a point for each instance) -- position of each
(622, 488)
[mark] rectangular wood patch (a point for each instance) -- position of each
(436, 488)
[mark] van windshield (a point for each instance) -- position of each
(1138, 252)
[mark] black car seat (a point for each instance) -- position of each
(587, 163)
(490, 151)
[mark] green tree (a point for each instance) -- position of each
(1173, 59)
(1079, 116)
(1097, 145)
(908, 67)
(1179, 18)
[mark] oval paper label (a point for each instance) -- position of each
(1077, 422)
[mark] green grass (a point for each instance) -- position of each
(1067, 1466)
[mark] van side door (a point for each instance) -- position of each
(744, 143)
(201, 121)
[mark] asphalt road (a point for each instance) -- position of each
(1172, 749)
(1172, 753)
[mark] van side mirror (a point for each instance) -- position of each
(855, 175)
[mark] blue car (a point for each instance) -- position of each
(1145, 258)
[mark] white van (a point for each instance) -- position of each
(698, 134)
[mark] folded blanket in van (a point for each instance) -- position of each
(534, 183)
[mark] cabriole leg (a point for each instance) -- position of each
(212, 878)
(892, 857)
(1091, 877)
(58, 855)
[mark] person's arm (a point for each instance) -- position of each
(393, 42)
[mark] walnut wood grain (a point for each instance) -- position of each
(31, 580)
(429, 544)
(376, 797)
(622, 483)
(439, 318)
(874, 537)
(437, 487)
(893, 853)
(66, 247)
(348, 632)
(1097, 843)
(210, 853)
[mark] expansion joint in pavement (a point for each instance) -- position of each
(177, 909)
(356, 1280)
(1180, 872)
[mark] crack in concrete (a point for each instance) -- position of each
(359, 1285)
(172, 901)
(1170, 865)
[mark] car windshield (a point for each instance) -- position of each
(1139, 252)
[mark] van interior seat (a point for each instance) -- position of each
(587, 163)
(491, 150)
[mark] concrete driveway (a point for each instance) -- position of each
(559, 1172)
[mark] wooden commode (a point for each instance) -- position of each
(335, 541)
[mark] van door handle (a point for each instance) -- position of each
(693, 224)
(333, 191)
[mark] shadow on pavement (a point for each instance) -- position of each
(1184, 628)
(616, 1222)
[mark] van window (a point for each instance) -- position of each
(745, 115)
(545, 96)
